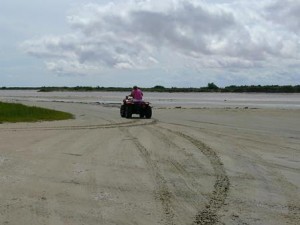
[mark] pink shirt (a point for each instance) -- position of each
(137, 94)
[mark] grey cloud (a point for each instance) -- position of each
(183, 28)
(286, 13)
(135, 37)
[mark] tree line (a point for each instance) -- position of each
(211, 87)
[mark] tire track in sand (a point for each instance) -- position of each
(192, 185)
(208, 216)
(271, 173)
(132, 123)
(162, 192)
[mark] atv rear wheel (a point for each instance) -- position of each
(141, 116)
(148, 113)
(128, 112)
(122, 111)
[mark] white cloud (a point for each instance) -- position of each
(233, 35)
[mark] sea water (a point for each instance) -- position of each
(191, 100)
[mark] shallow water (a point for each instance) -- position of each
(197, 100)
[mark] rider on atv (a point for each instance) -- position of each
(137, 94)
(134, 104)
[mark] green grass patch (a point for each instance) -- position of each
(12, 112)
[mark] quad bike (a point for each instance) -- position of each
(131, 106)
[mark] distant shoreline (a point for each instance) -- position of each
(211, 87)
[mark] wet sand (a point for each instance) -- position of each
(216, 165)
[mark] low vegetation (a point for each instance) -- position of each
(211, 87)
(12, 112)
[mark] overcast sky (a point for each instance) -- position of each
(183, 43)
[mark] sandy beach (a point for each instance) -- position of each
(234, 164)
